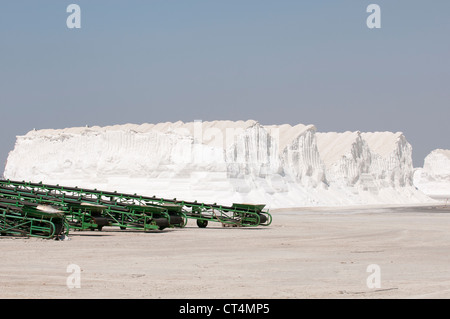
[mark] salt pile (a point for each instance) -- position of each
(223, 162)
(434, 178)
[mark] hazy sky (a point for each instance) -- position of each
(310, 62)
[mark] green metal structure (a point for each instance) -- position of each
(83, 213)
(94, 209)
(32, 220)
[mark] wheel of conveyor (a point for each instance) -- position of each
(202, 223)
(161, 222)
(100, 221)
(176, 220)
(58, 228)
(262, 218)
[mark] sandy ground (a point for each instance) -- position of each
(305, 253)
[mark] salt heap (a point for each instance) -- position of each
(434, 178)
(223, 162)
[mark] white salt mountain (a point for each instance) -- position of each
(223, 162)
(434, 178)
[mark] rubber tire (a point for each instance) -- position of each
(262, 218)
(202, 223)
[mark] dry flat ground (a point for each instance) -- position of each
(305, 253)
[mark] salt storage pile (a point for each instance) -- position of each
(434, 178)
(223, 162)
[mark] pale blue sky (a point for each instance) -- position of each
(310, 62)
